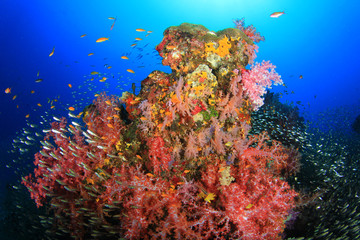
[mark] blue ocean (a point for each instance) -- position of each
(165, 120)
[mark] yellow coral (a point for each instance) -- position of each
(118, 146)
(222, 50)
(107, 161)
(226, 178)
(203, 74)
(199, 89)
(89, 181)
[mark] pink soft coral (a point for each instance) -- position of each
(256, 80)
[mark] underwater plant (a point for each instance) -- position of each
(177, 161)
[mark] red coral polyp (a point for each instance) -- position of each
(198, 107)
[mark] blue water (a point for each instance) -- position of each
(316, 39)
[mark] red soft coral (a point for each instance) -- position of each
(159, 154)
(258, 205)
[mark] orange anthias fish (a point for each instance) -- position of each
(102, 39)
(124, 57)
(52, 52)
(83, 35)
(8, 90)
(130, 71)
(277, 14)
(140, 30)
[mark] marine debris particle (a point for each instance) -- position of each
(175, 161)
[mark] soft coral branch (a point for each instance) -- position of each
(256, 80)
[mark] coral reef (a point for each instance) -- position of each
(177, 161)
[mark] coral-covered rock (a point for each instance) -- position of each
(185, 47)
(176, 160)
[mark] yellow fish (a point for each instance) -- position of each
(94, 73)
(138, 39)
(130, 71)
(102, 39)
(70, 86)
(124, 57)
(249, 206)
(140, 30)
(71, 108)
(210, 197)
